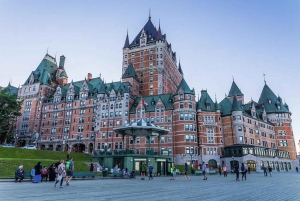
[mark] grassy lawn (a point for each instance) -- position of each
(11, 158)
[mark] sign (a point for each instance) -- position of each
(165, 153)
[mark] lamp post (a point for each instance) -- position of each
(16, 139)
(191, 162)
(78, 142)
(105, 150)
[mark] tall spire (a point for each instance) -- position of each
(149, 13)
(126, 45)
(179, 68)
(159, 35)
(265, 79)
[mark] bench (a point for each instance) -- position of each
(84, 175)
(198, 172)
(212, 172)
(117, 173)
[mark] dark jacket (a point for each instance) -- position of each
(19, 173)
(38, 168)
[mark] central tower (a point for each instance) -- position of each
(153, 60)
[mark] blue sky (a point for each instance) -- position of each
(215, 40)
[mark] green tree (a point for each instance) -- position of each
(10, 108)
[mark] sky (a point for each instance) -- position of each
(216, 40)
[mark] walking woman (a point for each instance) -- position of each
(225, 171)
(204, 171)
(220, 170)
(38, 171)
(186, 172)
(61, 172)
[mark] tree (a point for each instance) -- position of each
(10, 108)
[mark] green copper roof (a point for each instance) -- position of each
(226, 106)
(206, 101)
(11, 89)
(236, 106)
(185, 87)
(130, 73)
(45, 72)
(63, 74)
(234, 90)
(271, 102)
(152, 101)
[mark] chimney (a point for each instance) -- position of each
(89, 77)
(62, 62)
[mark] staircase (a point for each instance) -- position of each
(97, 167)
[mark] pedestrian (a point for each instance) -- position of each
(44, 174)
(144, 169)
(237, 173)
(249, 169)
(38, 171)
(69, 170)
(61, 171)
(150, 169)
(32, 173)
(296, 169)
(220, 170)
(270, 171)
(19, 174)
(174, 173)
(225, 171)
(92, 167)
(186, 172)
(204, 170)
(171, 171)
(265, 171)
(52, 173)
(244, 171)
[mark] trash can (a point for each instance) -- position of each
(104, 173)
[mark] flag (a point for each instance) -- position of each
(144, 102)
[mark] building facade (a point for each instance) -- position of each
(81, 115)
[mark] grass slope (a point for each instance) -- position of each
(11, 158)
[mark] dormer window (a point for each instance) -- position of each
(270, 101)
(181, 96)
(278, 107)
(142, 53)
(253, 114)
(208, 106)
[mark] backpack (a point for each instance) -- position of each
(243, 168)
(60, 171)
(68, 165)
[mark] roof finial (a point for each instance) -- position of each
(215, 96)
(47, 49)
(149, 13)
(265, 78)
(232, 78)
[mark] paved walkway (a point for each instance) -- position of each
(282, 186)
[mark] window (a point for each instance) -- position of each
(169, 138)
(162, 139)
(103, 135)
(241, 139)
(151, 139)
(169, 118)
(181, 104)
(258, 141)
(190, 105)
(150, 57)
(137, 140)
(80, 129)
(240, 128)
(82, 112)
(283, 143)
(251, 141)
(151, 79)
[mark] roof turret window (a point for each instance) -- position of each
(270, 101)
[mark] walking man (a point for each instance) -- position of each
(143, 173)
(270, 171)
(150, 169)
(203, 171)
(69, 169)
(265, 171)
(244, 171)
(237, 173)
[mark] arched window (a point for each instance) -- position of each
(120, 105)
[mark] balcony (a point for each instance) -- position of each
(209, 123)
